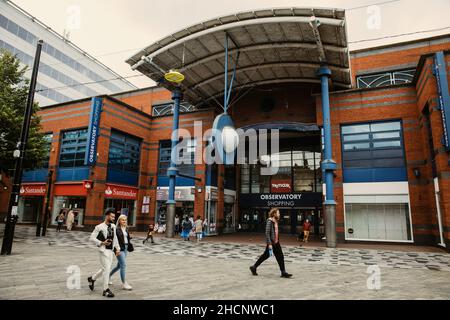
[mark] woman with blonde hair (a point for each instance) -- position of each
(272, 244)
(124, 240)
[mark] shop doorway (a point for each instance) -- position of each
(64, 204)
(291, 220)
(30, 209)
(123, 206)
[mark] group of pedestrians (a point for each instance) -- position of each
(69, 217)
(189, 227)
(116, 241)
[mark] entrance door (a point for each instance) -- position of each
(32, 208)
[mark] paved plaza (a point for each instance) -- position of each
(48, 268)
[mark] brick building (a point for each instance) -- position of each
(392, 182)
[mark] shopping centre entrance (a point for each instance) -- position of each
(296, 188)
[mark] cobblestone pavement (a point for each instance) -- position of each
(174, 269)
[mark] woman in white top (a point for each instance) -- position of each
(124, 240)
(70, 220)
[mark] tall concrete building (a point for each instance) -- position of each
(66, 72)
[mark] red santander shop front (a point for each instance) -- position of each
(123, 199)
(31, 202)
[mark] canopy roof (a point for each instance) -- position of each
(282, 45)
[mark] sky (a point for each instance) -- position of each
(114, 30)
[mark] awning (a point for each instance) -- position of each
(283, 45)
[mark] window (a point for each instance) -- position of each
(3, 21)
(167, 109)
(378, 221)
(165, 149)
(73, 148)
(124, 152)
(300, 167)
(165, 155)
(385, 79)
(188, 158)
(48, 139)
(377, 155)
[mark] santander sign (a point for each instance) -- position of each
(33, 190)
(120, 192)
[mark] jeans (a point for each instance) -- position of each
(121, 265)
(278, 255)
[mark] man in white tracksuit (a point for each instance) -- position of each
(104, 237)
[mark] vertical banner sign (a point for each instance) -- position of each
(440, 71)
(93, 132)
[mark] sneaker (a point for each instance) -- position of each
(126, 286)
(91, 283)
(253, 270)
(107, 293)
(286, 275)
(110, 283)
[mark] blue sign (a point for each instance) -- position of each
(440, 71)
(93, 132)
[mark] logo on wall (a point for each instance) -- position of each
(443, 95)
(33, 190)
(93, 132)
(108, 191)
(281, 186)
(120, 192)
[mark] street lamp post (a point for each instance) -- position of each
(12, 216)
(173, 171)
(328, 164)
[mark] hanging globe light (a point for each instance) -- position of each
(230, 139)
(174, 76)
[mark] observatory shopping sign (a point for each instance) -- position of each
(281, 200)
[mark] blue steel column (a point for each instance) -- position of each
(328, 164)
(173, 171)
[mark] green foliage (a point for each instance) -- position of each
(14, 88)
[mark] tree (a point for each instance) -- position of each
(14, 88)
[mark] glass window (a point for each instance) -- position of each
(13, 27)
(359, 128)
(3, 21)
(73, 148)
(387, 135)
(48, 139)
(356, 137)
(372, 152)
(356, 146)
(387, 144)
(167, 109)
(23, 33)
(385, 126)
(165, 148)
(188, 158)
(124, 152)
(385, 79)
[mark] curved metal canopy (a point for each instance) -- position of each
(275, 46)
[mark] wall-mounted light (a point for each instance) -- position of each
(416, 172)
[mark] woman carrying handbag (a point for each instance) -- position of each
(124, 239)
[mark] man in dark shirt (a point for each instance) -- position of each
(273, 245)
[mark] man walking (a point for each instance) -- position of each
(273, 245)
(103, 237)
(306, 230)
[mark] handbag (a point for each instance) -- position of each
(130, 247)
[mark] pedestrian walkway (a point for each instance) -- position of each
(383, 258)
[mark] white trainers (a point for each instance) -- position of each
(126, 286)
(110, 283)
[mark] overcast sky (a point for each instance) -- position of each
(113, 30)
